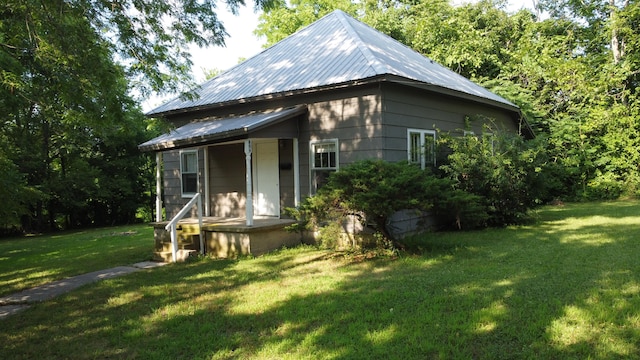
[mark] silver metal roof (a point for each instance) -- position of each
(334, 50)
(211, 131)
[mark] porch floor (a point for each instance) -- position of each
(236, 224)
(225, 237)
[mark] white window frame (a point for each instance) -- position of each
(182, 172)
(313, 145)
(415, 157)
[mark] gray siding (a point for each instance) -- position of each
(172, 186)
(227, 181)
(352, 116)
(368, 121)
(355, 120)
(405, 107)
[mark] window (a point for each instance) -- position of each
(324, 160)
(189, 172)
(421, 147)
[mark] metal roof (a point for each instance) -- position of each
(336, 49)
(218, 130)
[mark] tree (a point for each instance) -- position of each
(474, 40)
(67, 69)
(598, 84)
(278, 22)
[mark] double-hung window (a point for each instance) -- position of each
(189, 172)
(324, 161)
(421, 147)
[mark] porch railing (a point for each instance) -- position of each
(172, 225)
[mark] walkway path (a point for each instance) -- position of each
(17, 302)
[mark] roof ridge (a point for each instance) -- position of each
(372, 60)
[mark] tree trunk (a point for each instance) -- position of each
(617, 43)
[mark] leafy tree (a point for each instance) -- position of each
(67, 69)
(16, 195)
(474, 40)
(280, 21)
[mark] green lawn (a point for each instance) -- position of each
(566, 287)
(30, 261)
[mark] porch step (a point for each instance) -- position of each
(181, 255)
(190, 229)
(191, 242)
(188, 242)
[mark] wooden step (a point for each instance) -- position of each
(181, 255)
(191, 229)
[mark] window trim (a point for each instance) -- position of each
(182, 173)
(313, 188)
(423, 134)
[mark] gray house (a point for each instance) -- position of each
(266, 133)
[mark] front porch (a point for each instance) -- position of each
(224, 237)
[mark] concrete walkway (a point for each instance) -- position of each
(17, 302)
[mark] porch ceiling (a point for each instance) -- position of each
(219, 130)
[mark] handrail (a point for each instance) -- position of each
(171, 226)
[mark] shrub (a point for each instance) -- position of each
(505, 171)
(605, 186)
(374, 189)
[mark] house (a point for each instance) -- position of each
(268, 132)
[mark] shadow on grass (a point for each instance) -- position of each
(31, 261)
(550, 291)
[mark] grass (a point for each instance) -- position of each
(566, 287)
(26, 262)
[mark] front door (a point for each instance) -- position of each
(266, 178)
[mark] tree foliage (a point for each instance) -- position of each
(286, 18)
(506, 172)
(70, 126)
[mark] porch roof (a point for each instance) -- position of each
(219, 130)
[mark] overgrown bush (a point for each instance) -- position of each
(505, 171)
(491, 180)
(374, 190)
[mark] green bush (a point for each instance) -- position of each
(374, 189)
(492, 180)
(506, 172)
(605, 186)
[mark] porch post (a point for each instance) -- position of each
(249, 202)
(207, 210)
(158, 186)
(296, 173)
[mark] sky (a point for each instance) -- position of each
(243, 44)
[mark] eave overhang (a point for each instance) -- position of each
(218, 130)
